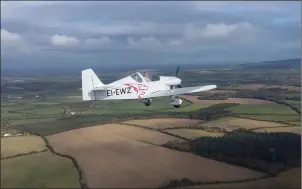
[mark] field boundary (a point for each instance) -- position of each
(29, 153)
(157, 130)
(82, 178)
(198, 183)
(238, 116)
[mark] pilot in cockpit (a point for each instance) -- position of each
(146, 76)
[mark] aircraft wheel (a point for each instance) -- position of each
(176, 106)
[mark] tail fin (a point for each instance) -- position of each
(89, 81)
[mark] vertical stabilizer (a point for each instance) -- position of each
(89, 81)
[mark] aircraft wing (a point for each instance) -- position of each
(180, 91)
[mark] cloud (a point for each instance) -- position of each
(220, 31)
(63, 40)
(12, 42)
(187, 31)
(8, 37)
(98, 41)
(175, 42)
(145, 42)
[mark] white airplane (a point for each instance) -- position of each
(136, 86)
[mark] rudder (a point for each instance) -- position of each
(89, 81)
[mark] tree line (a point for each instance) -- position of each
(247, 148)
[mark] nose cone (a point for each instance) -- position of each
(177, 81)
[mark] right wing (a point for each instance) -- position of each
(180, 91)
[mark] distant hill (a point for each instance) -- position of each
(277, 64)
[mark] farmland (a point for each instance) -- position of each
(271, 109)
(234, 122)
(287, 179)
(296, 129)
(115, 135)
(122, 146)
(229, 100)
(12, 146)
(38, 170)
(26, 162)
(163, 123)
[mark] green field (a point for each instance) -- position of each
(39, 170)
(295, 103)
(292, 119)
(269, 109)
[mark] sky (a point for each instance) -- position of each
(83, 33)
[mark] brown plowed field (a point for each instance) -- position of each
(112, 156)
(195, 99)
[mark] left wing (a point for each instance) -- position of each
(180, 91)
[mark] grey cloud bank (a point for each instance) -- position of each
(49, 34)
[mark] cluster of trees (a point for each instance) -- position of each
(242, 143)
(245, 147)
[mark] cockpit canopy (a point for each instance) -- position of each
(144, 76)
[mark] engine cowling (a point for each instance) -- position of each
(170, 81)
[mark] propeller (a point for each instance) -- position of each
(177, 70)
(176, 74)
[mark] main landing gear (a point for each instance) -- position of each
(176, 106)
(148, 103)
(175, 101)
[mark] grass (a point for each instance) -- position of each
(191, 107)
(11, 146)
(133, 106)
(235, 122)
(38, 120)
(295, 103)
(25, 113)
(162, 123)
(278, 118)
(40, 170)
(293, 94)
(105, 111)
(296, 129)
(262, 109)
(44, 109)
(193, 133)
